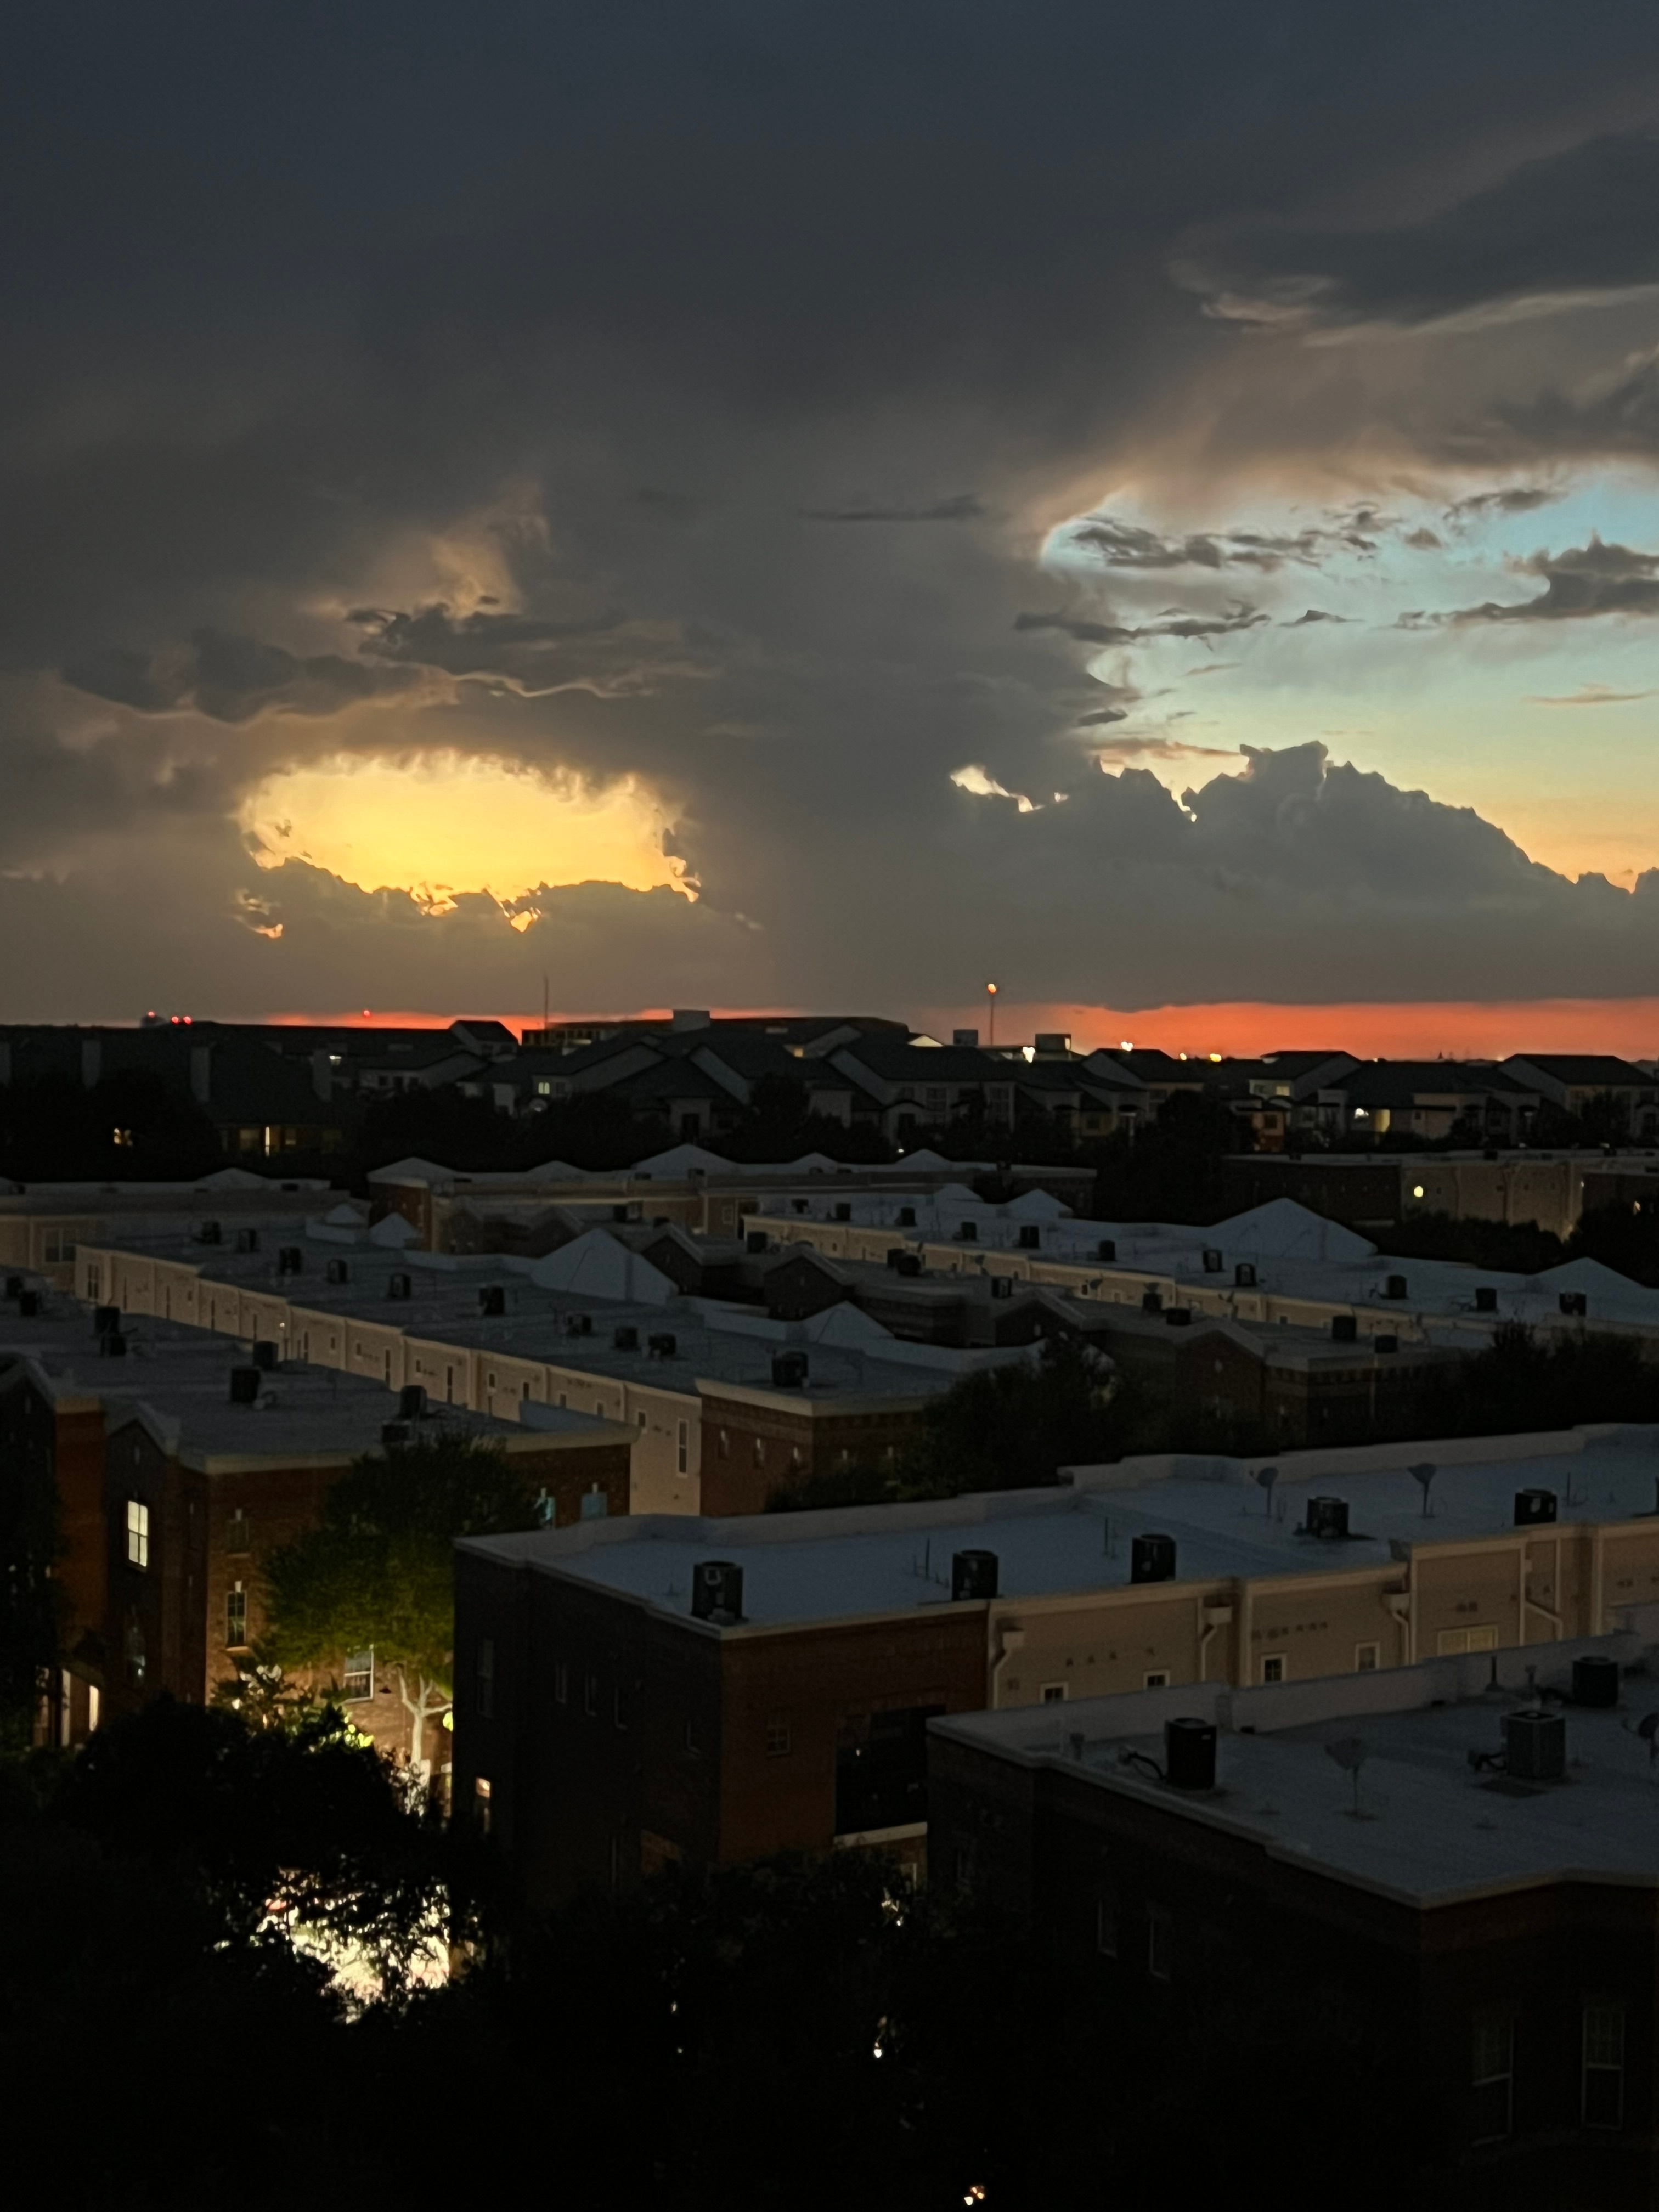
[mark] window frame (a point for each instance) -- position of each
(1364, 1665)
(1275, 1660)
(236, 1616)
(1160, 1943)
(1053, 1693)
(1492, 2066)
(1593, 2070)
(350, 1673)
(137, 1535)
(483, 1678)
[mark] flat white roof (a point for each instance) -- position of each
(879, 1560)
(1430, 1827)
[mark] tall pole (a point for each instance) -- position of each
(991, 1008)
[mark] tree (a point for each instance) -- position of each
(377, 1570)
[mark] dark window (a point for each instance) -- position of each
(590, 1695)
(1106, 1926)
(236, 1616)
(486, 1677)
(239, 1534)
(1604, 2066)
(1158, 1944)
(561, 1682)
(1491, 2077)
(881, 1770)
(777, 1735)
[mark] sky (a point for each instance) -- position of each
(787, 506)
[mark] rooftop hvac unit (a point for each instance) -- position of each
(1002, 1286)
(1534, 1509)
(967, 1232)
(1595, 1680)
(1211, 1261)
(400, 1286)
(1030, 1237)
(906, 1216)
(619, 1212)
(908, 1263)
(662, 1345)
(1190, 1754)
(29, 1305)
(1575, 1304)
(717, 1590)
(844, 1211)
(973, 1576)
(1152, 1558)
(14, 1286)
(1107, 1249)
(579, 1324)
(800, 1205)
(1178, 1317)
(210, 1232)
(625, 1337)
(106, 1320)
(593, 1506)
(1385, 1344)
(395, 1432)
(1485, 1298)
(755, 1240)
(337, 1270)
(894, 1253)
(248, 1240)
(1395, 1287)
(245, 1385)
(1245, 1276)
(1328, 1517)
(266, 1356)
(1536, 1745)
(113, 1345)
(290, 1260)
(492, 1301)
(1345, 1328)
(1151, 1302)
(788, 1370)
(411, 1402)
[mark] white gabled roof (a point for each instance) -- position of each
(1036, 1205)
(595, 1266)
(413, 1169)
(1282, 1229)
(394, 1233)
(681, 1160)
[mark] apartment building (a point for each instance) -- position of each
(179, 1466)
(42, 1224)
(727, 1406)
(1448, 1867)
(1278, 1263)
(721, 1690)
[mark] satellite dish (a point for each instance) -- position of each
(1423, 1475)
(1264, 1477)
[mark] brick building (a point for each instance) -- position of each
(172, 1493)
(1450, 1863)
(849, 1624)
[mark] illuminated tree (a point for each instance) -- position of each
(377, 1570)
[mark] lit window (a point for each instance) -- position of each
(760, 1452)
(777, 1735)
(95, 1704)
(236, 1616)
(1053, 1693)
(121, 1139)
(486, 1677)
(1491, 2077)
(134, 1653)
(137, 1533)
(1604, 2066)
(1272, 1667)
(723, 1445)
(357, 1682)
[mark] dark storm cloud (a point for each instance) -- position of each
(607, 654)
(485, 325)
(232, 679)
(1513, 499)
(961, 506)
(1580, 583)
(1578, 222)
(1119, 544)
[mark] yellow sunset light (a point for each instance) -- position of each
(451, 822)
